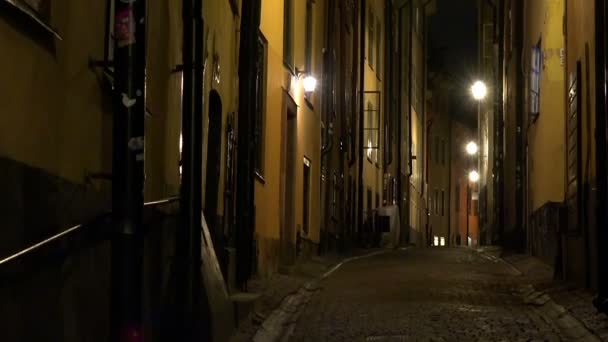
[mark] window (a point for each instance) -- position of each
(457, 198)
(372, 132)
(377, 200)
(370, 40)
(442, 152)
(260, 105)
(436, 149)
(378, 48)
(369, 202)
(442, 202)
(306, 194)
(308, 47)
(436, 202)
(535, 69)
(334, 196)
(474, 208)
(288, 34)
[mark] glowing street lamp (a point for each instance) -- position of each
(474, 176)
(310, 84)
(479, 90)
(472, 148)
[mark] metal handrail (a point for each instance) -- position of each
(73, 229)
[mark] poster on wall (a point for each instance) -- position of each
(37, 10)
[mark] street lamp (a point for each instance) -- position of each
(472, 148)
(479, 90)
(310, 84)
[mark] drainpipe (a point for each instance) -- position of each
(388, 79)
(326, 113)
(328, 74)
(363, 9)
(250, 25)
(424, 75)
(128, 169)
(601, 301)
(193, 318)
(499, 210)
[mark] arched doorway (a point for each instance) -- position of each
(214, 147)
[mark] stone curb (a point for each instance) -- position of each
(551, 311)
(281, 322)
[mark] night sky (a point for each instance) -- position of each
(453, 49)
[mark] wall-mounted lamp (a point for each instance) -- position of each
(308, 81)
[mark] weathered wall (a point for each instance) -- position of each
(579, 247)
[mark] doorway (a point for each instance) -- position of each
(214, 146)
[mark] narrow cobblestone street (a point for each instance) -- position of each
(423, 295)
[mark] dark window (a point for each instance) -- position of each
(457, 198)
(288, 33)
(377, 200)
(474, 208)
(371, 37)
(442, 152)
(378, 48)
(309, 28)
(436, 149)
(442, 202)
(436, 202)
(334, 196)
(369, 202)
(260, 108)
(306, 194)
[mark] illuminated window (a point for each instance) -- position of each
(535, 70)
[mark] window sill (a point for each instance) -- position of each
(259, 177)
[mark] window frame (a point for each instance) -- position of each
(370, 38)
(306, 190)
(288, 32)
(536, 66)
(260, 104)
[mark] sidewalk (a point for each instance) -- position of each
(283, 286)
(568, 304)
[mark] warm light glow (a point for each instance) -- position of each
(472, 148)
(479, 90)
(474, 176)
(310, 84)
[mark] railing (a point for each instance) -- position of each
(72, 230)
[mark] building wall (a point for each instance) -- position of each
(373, 82)
(280, 79)
(438, 151)
(460, 166)
(546, 154)
(488, 54)
(579, 251)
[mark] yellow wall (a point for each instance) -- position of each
(55, 116)
(546, 136)
(279, 78)
(372, 171)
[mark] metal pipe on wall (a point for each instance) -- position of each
(192, 319)
(128, 170)
(250, 26)
(363, 10)
(601, 13)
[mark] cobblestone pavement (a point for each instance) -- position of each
(423, 295)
